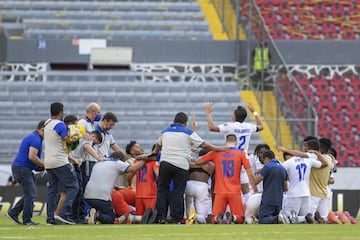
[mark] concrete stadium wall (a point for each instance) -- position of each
(66, 51)
(187, 51)
(320, 52)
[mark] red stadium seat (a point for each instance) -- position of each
(337, 10)
(348, 35)
(337, 116)
(280, 35)
(302, 78)
(320, 11)
(324, 95)
(321, 83)
(287, 18)
(330, 35)
(324, 127)
(353, 115)
(270, 18)
(295, 35)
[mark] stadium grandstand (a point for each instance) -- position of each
(147, 60)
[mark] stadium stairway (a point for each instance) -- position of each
(143, 108)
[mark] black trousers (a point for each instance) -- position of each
(169, 173)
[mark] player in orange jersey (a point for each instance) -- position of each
(146, 181)
(227, 181)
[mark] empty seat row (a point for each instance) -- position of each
(141, 115)
(100, 5)
(18, 16)
(128, 25)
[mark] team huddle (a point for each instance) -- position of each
(184, 179)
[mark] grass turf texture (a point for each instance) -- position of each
(9, 230)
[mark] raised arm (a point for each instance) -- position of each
(211, 125)
(258, 122)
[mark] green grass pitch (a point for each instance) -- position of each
(9, 230)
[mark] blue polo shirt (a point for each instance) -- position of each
(274, 177)
(32, 140)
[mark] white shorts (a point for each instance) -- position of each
(301, 205)
(252, 207)
(319, 204)
(197, 196)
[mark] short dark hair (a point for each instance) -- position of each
(56, 108)
(129, 146)
(70, 119)
(313, 144)
(285, 154)
(203, 151)
(325, 144)
(97, 134)
(41, 124)
(117, 155)
(269, 154)
(181, 118)
(240, 114)
(231, 138)
(260, 146)
(307, 138)
(333, 152)
(110, 116)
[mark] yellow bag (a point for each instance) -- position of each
(75, 133)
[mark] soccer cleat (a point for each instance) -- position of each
(282, 218)
(229, 218)
(318, 218)
(53, 222)
(92, 216)
(161, 221)
(153, 217)
(31, 223)
(192, 217)
(147, 215)
(15, 219)
(333, 218)
(220, 218)
(129, 219)
(351, 219)
(309, 218)
(254, 220)
(341, 216)
(64, 219)
(293, 217)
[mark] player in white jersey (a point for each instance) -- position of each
(298, 167)
(241, 129)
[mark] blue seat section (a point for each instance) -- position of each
(143, 108)
(115, 20)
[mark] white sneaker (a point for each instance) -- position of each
(293, 217)
(92, 216)
(282, 218)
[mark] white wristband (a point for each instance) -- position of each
(255, 113)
